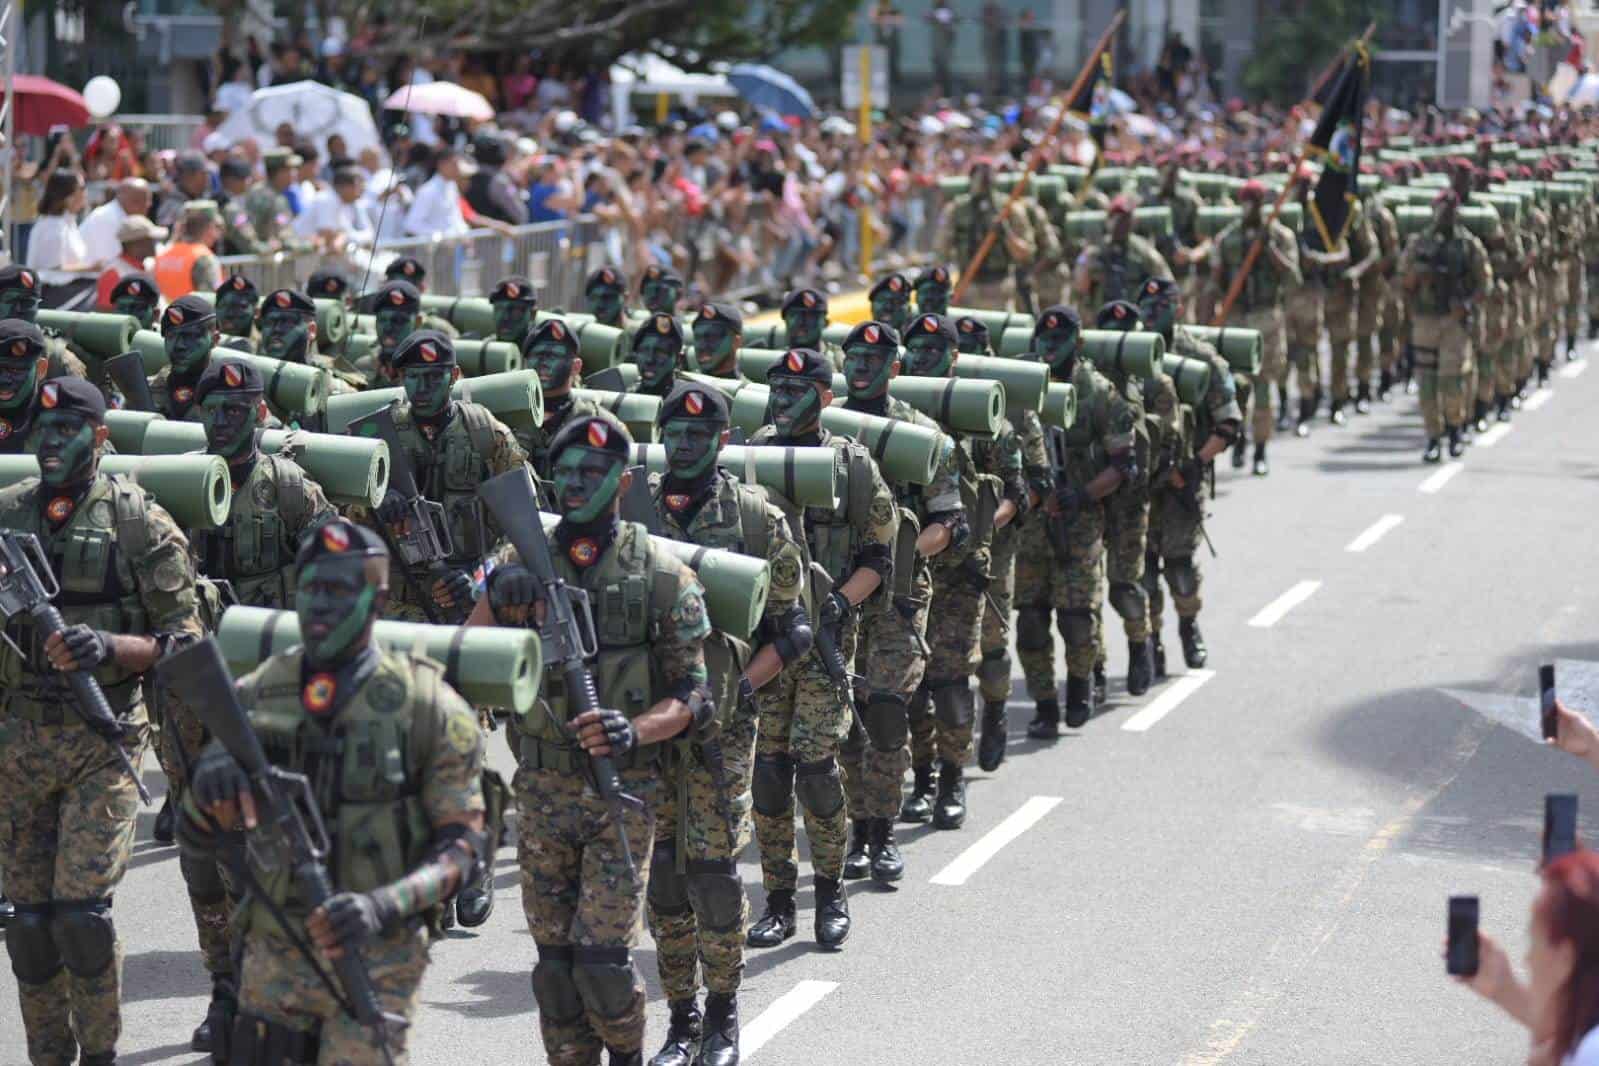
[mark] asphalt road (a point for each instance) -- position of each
(1245, 867)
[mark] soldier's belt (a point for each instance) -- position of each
(537, 754)
(42, 702)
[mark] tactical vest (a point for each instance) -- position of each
(1447, 282)
(1146, 430)
(1262, 286)
(91, 557)
(1084, 454)
(1120, 270)
(449, 471)
(972, 223)
(628, 588)
(255, 549)
(366, 765)
(535, 442)
(832, 536)
(159, 395)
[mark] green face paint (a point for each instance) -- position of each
(867, 369)
(189, 348)
(512, 320)
(713, 344)
(928, 356)
(64, 444)
(605, 304)
(394, 324)
(692, 446)
(893, 308)
(1058, 348)
(1159, 312)
(586, 482)
(230, 423)
(334, 603)
(236, 314)
(932, 298)
(139, 308)
(804, 327)
(17, 382)
(553, 362)
(427, 389)
(660, 297)
(656, 358)
(794, 405)
(19, 303)
(285, 335)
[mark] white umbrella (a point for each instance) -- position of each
(440, 98)
(315, 111)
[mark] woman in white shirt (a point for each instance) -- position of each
(1559, 1003)
(56, 249)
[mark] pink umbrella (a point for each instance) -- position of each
(440, 98)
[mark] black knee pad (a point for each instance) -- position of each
(916, 710)
(554, 989)
(84, 935)
(1077, 626)
(1183, 576)
(995, 667)
(1151, 579)
(202, 876)
(953, 704)
(258, 1041)
(772, 785)
(1032, 628)
(668, 891)
(1128, 599)
(717, 893)
(887, 721)
(35, 959)
(819, 787)
(605, 979)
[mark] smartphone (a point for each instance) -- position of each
(1462, 950)
(1546, 698)
(1559, 825)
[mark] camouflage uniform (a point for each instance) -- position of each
(1574, 235)
(1454, 276)
(1537, 335)
(583, 907)
(63, 361)
(1184, 204)
(696, 904)
(273, 508)
(994, 671)
(67, 809)
(1260, 306)
(1378, 317)
(1045, 280)
(1496, 361)
(1590, 268)
(1115, 269)
(962, 226)
(1345, 303)
(1308, 312)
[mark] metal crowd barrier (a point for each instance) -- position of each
(163, 131)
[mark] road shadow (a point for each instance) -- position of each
(154, 975)
(169, 1053)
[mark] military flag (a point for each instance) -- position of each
(1092, 105)
(1336, 142)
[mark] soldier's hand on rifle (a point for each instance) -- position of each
(453, 590)
(513, 592)
(605, 731)
(393, 511)
(222, 789)
(78, 648)
(347, 919)
(1066, 501)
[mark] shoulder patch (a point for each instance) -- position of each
(462, 733)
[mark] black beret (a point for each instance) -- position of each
(876, 334)
(806, 300)
(238, 283)
(931, 323)
(690, 399)
(229, 376)
(288, 300)
(136, 284)
(406, 268)
(551, 329)
(1157, 286)
(601, 431)
(1118, 314)
(17, 276)
(20, 340)
(327, 283)
(933, 276)
(804, 363)
(711, 311)
(1058, 318)
(661, 275)
(186, 311)
(972, 327)
(400, 294)
(71, 394)
(663, 325)
(340, 537)
(608, 276)
(515, 287)
(894, 283)
(424, 347)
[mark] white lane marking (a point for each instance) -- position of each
(1496, 433)
(1376, 532)
(789, 1006)
(1274, 611)
(1441, 478)
(972, 859)
(1574, 370)
(1537, 400)
(1162, 705)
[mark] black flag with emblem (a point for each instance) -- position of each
(1336, 142)
(1092, 105)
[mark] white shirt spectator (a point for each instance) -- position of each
(328, 212)
(54, 244)
(436, 209)
(99, 231)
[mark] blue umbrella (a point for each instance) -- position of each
(770, 88)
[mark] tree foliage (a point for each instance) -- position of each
(1296, 46)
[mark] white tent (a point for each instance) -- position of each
(650, 75)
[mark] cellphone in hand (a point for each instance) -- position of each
(1546, 698)
(1461, 956)
(1559, 825)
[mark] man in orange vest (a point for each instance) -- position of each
(190, 263)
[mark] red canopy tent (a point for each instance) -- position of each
(42, 103)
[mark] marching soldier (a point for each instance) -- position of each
(1375, 336)
(24, 366)
(932, 288)
(289, 332)
(1114, 268)
(1344, 307)
(973, 336)
(891, 301)
(327, 284)
(659, 289)
(410, 269)
(804, 314)
(515, 306)
(1307, 314)
(135, 294)
(236, 301)
(657, 352)
(605, 296)
(189, 333)
(397, 308)
(551, 350)
(718, 333)
(963, 226)
(20, 292)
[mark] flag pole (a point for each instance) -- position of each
(1253, 255)
(1020, 188)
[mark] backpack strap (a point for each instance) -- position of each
(479, 427)
(132, 510)
(427, 676)
(752, 520)
(290, 480)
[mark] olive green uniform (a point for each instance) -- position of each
(1455, 278)
(994, 669)
(1116, 269)
(962, 227)
(1260, 306)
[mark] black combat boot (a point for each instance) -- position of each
(777, 924)
(996, 724)
(166, 823)
(856, 861)
(8, 911)
(1385, 385)
(1284, 419)
(1336, 415)
(613, 1057)
(1261, 467)
(682, 1035)
(1479, 420)
(1571, 347)
(1307, 411)
(99, 1058)
(832, 912)
(888, 865)
(1504, 408)
(218, 1023)
(1157, 655)
(949, 809)
(1194, 652)
(1434, 451)
(1238, 450)
(1079, 701)
(720, 1046)
(1363, 398)
(918, 806)
(447, 914)
(1457, 446)
(1046, 720)
(1140, 669)
(1593, 328)
(475, 902)
(1101, 684)
(1543, 374)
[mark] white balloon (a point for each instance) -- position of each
(103, 95)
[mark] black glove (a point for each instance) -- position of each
(975, 573)
(394, 509)
(746, 696)
(217, 778)
(513, 585)
(1069, 500)
(619, 732)
(457, 588)
(88, 647)
(835, 608)
(355, 916)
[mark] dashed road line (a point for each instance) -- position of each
(788, 1007)
(972, 859)
(1440, 478)
(1574, 370)
(1175, 693)
(1496, 433)
(1274, 611)
(1537, 400)
(1378, 529)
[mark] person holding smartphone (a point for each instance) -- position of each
(1559, 1001)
